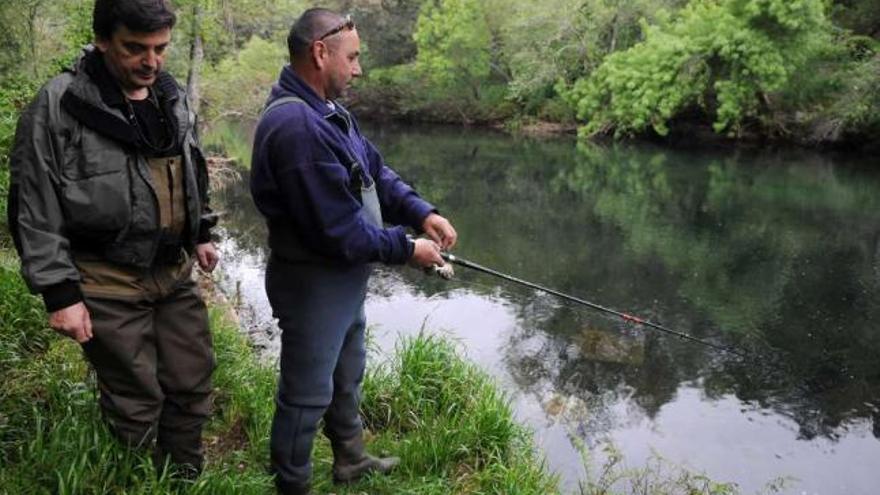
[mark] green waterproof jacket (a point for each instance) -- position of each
(80, 183)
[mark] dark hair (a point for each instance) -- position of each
(313, 25)
(141, 16)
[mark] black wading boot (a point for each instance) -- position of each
(291, 488)
(351, 462)
(181, 451)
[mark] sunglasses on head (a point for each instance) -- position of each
(347, 23)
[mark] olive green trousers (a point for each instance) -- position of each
(153, 357)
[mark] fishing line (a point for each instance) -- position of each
(625, 316)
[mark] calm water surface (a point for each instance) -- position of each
(775, 253)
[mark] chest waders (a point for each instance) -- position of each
(320, 310)
(152, 350)
(167, 175)
(109, 280)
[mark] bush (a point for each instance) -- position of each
(721, 57)
(858, 104)
(239, 85)
(402, 92)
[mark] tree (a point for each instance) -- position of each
(238, 86)
(564, 40)
(724, 57)
(386, 27)
(196, 55)
(453, 40)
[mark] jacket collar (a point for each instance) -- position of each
(93, 64)
(290, 84)
(95, 99)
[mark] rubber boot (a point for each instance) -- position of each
(182, 450)
(351, 462)
(290, 488)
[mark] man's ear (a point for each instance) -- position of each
(319, 54)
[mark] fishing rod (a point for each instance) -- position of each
(626, 317)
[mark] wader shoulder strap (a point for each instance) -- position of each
(281, 101)
(295, 99)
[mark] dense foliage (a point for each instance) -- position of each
(736, 61)
(453, 40)
(237, 86)
(773, 68)
(802, 70)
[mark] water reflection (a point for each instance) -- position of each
(776, 254)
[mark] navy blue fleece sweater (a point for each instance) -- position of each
(300, 177)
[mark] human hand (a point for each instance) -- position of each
(440, 231)
(73, 321)
(426, 254)
(207, 255)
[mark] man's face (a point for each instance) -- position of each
(342, 64)
(134, 58)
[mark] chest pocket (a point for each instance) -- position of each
(95, 184)
(87, 154)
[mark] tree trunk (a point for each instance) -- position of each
(32, 12)
(229, 23)
(196, 56)
(613, 45)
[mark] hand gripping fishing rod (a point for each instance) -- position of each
(626, 317)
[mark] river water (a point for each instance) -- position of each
(774, 253)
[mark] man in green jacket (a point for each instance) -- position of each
(108, 211)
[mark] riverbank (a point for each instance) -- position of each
(400, 99)
(689, 132)
(452, 427)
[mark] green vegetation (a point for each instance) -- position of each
(720, 56)
(452, 427)
(737, 62)
(772, 69)
(236, 88)
(796, 70)
(451, 419)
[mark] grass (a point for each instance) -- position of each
(21, 315)
(449, 419)
(656, 477)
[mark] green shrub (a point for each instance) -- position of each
(722, 57)
(238, 86)
(858, 103)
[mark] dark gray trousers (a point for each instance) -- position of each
(320, 311)
(153, 358)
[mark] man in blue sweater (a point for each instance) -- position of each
(326, 194)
